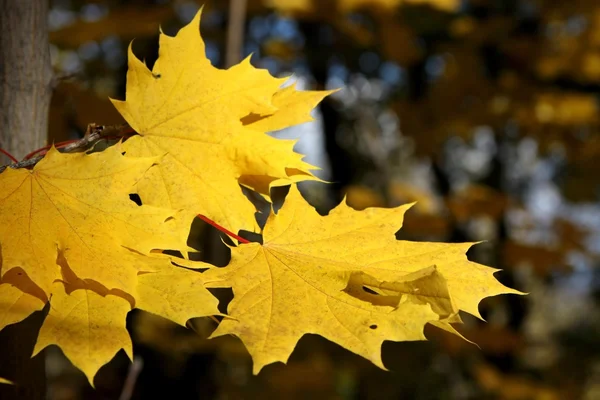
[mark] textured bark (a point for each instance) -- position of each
(25, 91)
(25, 75)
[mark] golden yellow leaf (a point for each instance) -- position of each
(293, 108)
(426, 285)
(303, 7)
(18, 297)
(16, 305)
(442, 5)
(6, 381)
(88, 327)
(355, 5)
(290, 6)
(388, 5)
(71, 218)
(78, 204)
(308, 275)
(176, 293)
(192, 112)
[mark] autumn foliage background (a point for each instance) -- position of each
(484, 112)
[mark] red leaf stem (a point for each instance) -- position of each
(45, 148)
(222, 229)
(7, 154)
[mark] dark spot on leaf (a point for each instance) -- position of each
(373, 326)
(156, 76)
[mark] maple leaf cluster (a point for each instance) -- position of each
(71, 236)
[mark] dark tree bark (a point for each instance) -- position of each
(25, 75)
(25, 91)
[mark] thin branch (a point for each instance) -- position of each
(22, 164)
(235, 31)
(93, 134)
(132, 376)
(45, 148)
(62, 77)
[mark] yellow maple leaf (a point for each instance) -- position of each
(193, 113)
(6, 381)
(293, 107)
(290, 6)
(70, 218)
(78, 204)
(175, 293)
(87, 326)
(309, 274)
(19, 297)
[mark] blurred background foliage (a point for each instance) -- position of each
(485, 112)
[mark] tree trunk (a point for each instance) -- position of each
(25, 91)
(25, 75)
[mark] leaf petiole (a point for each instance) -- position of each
(222, 229)
(45, 148)
(7, 154)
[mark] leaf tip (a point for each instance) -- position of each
(6, 381)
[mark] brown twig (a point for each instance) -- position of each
(93, 134)
(132, 376)
(62, 77)
(235, 31)
(22, 164)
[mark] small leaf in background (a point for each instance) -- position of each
(6, 381)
